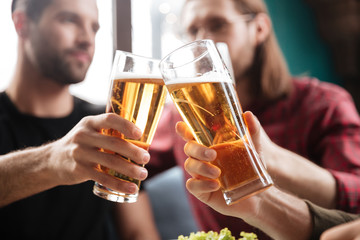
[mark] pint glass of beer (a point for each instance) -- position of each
(137, 93)
(202, 90)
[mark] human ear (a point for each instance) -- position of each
(263, 27)
(20, 23)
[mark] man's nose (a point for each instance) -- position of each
(86, 36)
(203, 34)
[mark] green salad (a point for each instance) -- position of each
(225, 234)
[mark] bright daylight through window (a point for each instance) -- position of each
(94, 88)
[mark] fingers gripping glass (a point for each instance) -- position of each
(204, 94)
(137, 93)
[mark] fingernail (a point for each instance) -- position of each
(146, 157)
(143, 174)
(215, 172)
(132, 188)
(213, 185)
(210, 153)
(137, 132)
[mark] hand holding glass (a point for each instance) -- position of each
(137, 93)
(203, 91)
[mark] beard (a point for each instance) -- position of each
(56, 64)
(64, 72)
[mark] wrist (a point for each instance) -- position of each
(254, 211)
(281, 215)
(274, 164)
(50, 170)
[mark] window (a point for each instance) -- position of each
(8, 46)
(96, 84)
(155, 24)
(95, 87)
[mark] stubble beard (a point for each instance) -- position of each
(54, 65)
(62, 71)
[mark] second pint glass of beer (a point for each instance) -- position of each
(137, 93)
(202, 89)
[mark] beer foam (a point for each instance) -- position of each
(130, 75)
(134, 77)
(213, 77)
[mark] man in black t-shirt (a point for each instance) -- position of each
(49, 139)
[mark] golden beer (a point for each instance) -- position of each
(235, 163)
(139, 100)
(211, 109)
(203, 91)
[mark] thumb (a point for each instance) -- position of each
(184, 131)
(253, 125)
(255, 130)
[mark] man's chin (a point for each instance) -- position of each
(78, 75)
(68, 80)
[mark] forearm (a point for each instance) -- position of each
(303, 178)
(281, 216)
(24, 173)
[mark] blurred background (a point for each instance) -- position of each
(319, 38)
(95, 87)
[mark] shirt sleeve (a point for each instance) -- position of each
(324, 219)
(339, 147)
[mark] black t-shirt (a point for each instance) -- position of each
(63, 212)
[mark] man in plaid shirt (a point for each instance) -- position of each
(312, 146)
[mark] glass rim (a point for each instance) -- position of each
(118, 52)
(206, 41)
(120, 57)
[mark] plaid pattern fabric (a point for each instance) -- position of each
(318, 121)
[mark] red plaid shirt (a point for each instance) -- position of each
(318, 121)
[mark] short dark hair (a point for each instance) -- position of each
(13, 5)
(33, 8)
